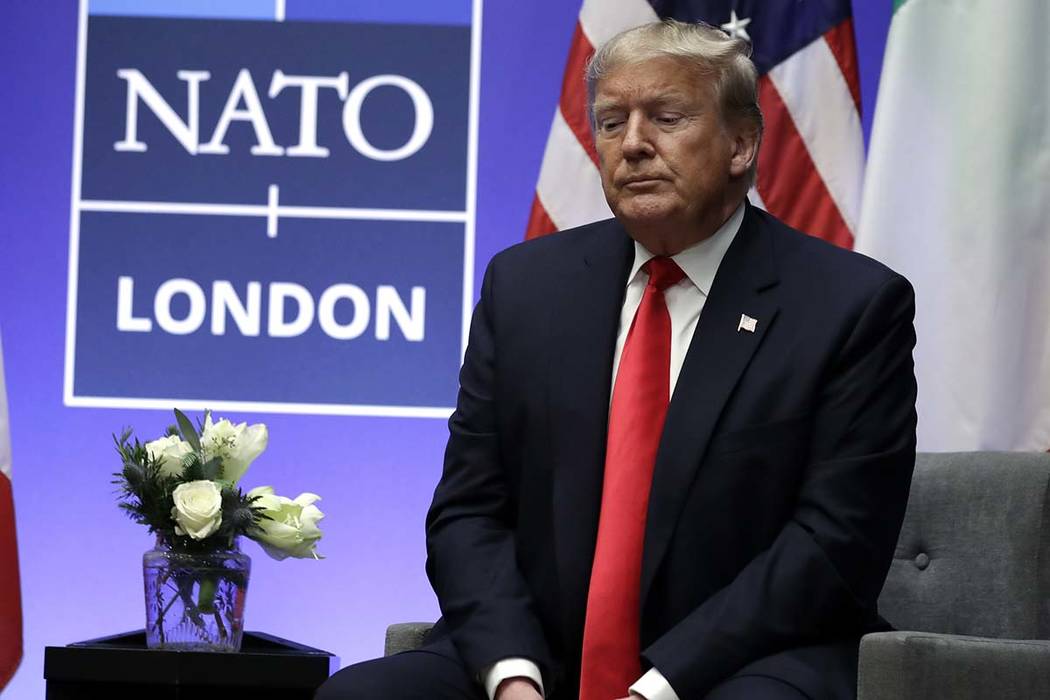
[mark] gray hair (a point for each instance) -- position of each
(712, 52)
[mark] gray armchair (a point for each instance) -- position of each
(970, 579)
(405, 636)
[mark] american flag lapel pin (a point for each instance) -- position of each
(747, 324)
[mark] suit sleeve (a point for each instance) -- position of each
(471, 555)
(822, 575)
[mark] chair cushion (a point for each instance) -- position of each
(973, 553)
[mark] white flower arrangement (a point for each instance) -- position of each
(185, 488)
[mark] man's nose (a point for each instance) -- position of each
(636, 138)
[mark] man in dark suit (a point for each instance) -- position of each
(684, 437)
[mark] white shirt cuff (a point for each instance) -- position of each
(653, 686)
(512, 668)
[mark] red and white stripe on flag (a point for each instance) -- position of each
(10, 597)
(811, 164)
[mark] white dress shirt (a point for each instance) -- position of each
(685, 300)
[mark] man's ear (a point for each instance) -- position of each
(745, 149)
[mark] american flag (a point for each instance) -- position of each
(811, 163)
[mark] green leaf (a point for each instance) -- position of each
(192, 468)
(212, 469)
(189, 433)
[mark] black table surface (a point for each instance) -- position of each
(121, 666)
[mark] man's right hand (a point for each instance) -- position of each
(517, 689)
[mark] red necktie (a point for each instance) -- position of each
(611, 645)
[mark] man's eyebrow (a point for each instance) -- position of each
(668, 98)
(600, 105)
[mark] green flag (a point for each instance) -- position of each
(957, 198)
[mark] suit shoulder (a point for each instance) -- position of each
(833, 265)
(548, 250)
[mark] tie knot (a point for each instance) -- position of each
(663, 272)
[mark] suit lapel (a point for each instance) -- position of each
(717, 357)
(583, 337)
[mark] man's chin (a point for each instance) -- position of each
(647, 214)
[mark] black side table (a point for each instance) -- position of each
(120, 667)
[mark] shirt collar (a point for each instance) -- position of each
(699, 261)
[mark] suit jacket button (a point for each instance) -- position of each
(922, 560)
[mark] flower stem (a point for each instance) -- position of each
(221, 627)
(206, 594)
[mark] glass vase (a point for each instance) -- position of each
(195, 601)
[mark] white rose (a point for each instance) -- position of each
(168, 453)
(198, 509)
(236, 445)
(292, 530)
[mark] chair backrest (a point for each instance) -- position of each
(974, 553)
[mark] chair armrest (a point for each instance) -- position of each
(405, 636)
(928, 666)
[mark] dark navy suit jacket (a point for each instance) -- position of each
(780, 483)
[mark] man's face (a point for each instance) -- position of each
(667, 160)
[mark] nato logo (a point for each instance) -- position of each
(273, 205)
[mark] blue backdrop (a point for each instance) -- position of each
(80, 558)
